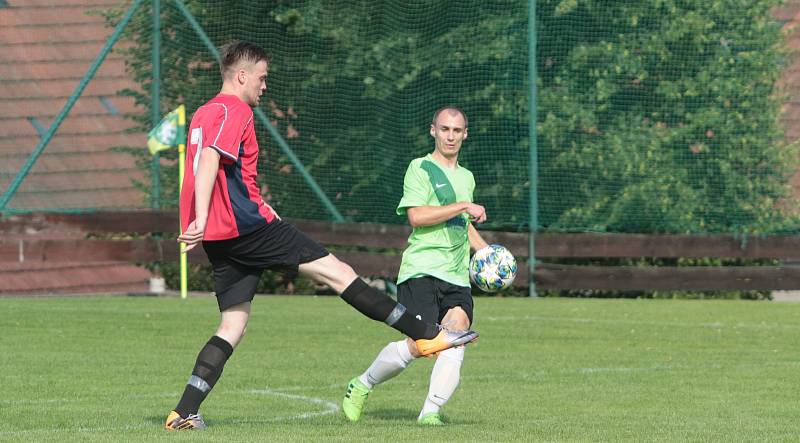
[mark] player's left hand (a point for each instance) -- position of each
(477, 213)
(193, 235)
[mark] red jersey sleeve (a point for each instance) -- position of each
(225, 132)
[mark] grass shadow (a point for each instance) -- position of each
(410, 415)
(394, 414)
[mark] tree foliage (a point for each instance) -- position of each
(653, 115)
(662, 115)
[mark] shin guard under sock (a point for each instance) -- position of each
(207, 370)
(380, 307)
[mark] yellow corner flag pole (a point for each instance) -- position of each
(181, 171)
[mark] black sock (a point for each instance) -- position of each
(206, 372)
(380, 307)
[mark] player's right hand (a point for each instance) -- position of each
(477, 213)
(193, 235)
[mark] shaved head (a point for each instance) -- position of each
(451, 110)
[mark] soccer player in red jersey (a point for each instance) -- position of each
(222, 209)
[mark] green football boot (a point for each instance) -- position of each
(354, 399)
(431, 419)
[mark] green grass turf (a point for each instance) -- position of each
(110, 368)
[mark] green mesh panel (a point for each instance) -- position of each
(352, 89)
(653, 115)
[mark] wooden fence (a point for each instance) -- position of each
(124, 236)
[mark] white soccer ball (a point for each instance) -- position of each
(492, 268)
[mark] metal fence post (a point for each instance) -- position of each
(533, 175)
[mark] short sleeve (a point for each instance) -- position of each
(471, 188)
(227, 131)
(416, 188)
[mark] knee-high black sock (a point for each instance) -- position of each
(380, 307)
(205, 374)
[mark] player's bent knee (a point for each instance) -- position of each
(331, 271)
(462, 324)
(412, 348)
(340, 274)
(343, 270)
(232, 332)
(456, 318)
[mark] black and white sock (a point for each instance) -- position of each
(380, 307)
(207, 370)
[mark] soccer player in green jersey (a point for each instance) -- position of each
(434, 279)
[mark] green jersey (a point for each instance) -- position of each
(441, 250)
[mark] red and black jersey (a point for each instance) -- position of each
(225, 123)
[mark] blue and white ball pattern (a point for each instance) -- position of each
(492, 268)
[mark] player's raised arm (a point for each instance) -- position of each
(433, 215)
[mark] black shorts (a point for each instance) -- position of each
(239, 262)
(429, 298)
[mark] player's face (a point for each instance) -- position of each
(449, 131)
(256, 82)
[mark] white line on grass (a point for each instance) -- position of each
(36, 401)
(328, 408)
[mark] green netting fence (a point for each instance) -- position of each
(653, 116)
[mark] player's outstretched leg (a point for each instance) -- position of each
(378, 306)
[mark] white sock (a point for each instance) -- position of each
(391, 361)
(444, 379)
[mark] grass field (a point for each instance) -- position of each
(110, 368)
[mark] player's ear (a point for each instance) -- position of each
(241, 76)
(465, 134)
(433, 132)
